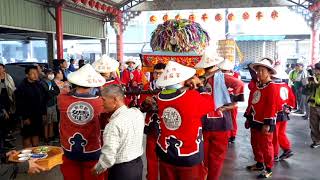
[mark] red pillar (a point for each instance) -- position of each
(120, 39)
(314, 46)
(59, 31)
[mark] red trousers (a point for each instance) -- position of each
(76, 170)
(171, 172)
(280, 138)
(152, 158)
(262, 147)
(215, 150)
(234, 114)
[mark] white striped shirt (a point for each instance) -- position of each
(122, 137)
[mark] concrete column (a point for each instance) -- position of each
(103, 46)
(50, 49)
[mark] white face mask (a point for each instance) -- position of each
(51, 77)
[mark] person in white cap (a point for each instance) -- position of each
(261, 116)
(107, 67)
(131, 76)
(227, 68)
(180, 142)
(286, 104)
(218, 123)
(132, 79)
(79, 125)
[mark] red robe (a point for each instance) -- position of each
(134, 76)
(180, 141)
(80, 127)
(263, 103)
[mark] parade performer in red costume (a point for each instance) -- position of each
(285, 105)
(152, 123)
(218, 123)
(107, 67)
(261, 116)
(79, 125)
(132, 79)
(227, 68)
(180, 142)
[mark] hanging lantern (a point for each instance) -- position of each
(165, 18)
(112, 10)
(245, 16)
(177, 17)
(103, 7)
(231, 17)
(259, 15)
(153, 19)
(274, 15)
(204, 17)
(192, 17)
(108, 9)
(98, 6)
(76, 1)
(92, 3)
(85, 2)
(218, 17)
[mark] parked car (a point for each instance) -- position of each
(243, 70)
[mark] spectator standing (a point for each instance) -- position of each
(71, 66)
(306, 94)
(314, 87)
(123, 137)
(52, 92)
(81, 63)
(7, 88)
(296, 76)
(64, 86)
(288, 68)
(31, 106)
(40, 71)
(64, 68)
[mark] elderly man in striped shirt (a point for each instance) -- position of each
(122, 137)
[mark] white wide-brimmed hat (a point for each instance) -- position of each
(175, 73)
(105, 64)
(130, 59)
(281, 73)
(86, 76)
(226, 65)
(265, 62)
(208, 59)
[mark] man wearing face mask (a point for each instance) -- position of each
(53, 91)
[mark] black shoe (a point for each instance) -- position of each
(315, 145)
(286, 155)
(232, 139)
(9, 138)
(276, 159)
(265, 174)
(9, 146)
(256, 167)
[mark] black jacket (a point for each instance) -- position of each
(31, 99)
(52, 93)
